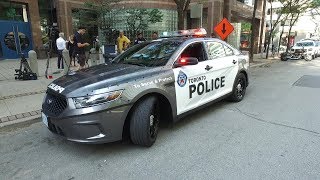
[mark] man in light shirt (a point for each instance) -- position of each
(61, 45)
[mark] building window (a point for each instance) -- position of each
(13, 11)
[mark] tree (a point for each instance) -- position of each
(282, 31)
(139, 19)
(253, 29)
(282, 14)
(315, 4)
(295, 9)
(100, 15)
(182, 7)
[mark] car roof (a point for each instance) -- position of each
(187, 38)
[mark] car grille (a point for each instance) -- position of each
(54, 105)
(299, 51)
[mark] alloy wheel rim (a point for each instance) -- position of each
(153, 124)
(240, 89)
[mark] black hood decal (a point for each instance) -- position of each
(102, 76)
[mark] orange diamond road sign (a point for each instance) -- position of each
(224, 28)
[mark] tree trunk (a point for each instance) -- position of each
(226, 13)
(268, 45)
(288, 43)
(270, 33)
(226, 10)
(280, 38)
(262, 22)
(253, 29)
(181, 15)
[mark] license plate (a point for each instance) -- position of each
(44, 119)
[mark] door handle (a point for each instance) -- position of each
(234, 61)
(208, 68)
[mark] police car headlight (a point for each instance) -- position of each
(88, 101)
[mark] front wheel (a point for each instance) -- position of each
(239, 88)
(144, 122)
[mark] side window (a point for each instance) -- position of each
(229, 51)
(195, 50)
(215, 50)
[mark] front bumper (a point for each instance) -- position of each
(97, 127)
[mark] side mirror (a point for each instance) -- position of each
(186, 61)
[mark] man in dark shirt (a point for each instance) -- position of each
(154, 36)
(139, 39)
(80, 46)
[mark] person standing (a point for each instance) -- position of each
(122, 42)
(140, 39)
(154, 36)
(61, 45)
(70, 47)
(80, 45)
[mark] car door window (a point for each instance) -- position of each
(195, 50)
(229, 51)
(215, 50)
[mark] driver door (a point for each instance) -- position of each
(189, 94)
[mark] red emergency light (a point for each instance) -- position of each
(200, 32)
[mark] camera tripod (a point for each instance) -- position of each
(25, 72)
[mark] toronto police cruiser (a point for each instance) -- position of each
(153, 82)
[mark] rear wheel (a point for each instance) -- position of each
(239, 88)
(144, 122)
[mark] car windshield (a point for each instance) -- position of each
(305, 44)
(150, 54)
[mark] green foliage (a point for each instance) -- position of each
(155, 15)
(98, 13)
(11, 13)
(139, 19)
(315, 3)
(246, 27)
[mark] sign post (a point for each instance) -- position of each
(224, 29)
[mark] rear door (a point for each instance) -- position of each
(224, 70)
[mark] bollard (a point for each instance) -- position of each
(66, 61)
(33, 61)
(101, 53)
(93, 56)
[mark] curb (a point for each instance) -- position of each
(19, 118)
(18, 121)
(21, 95)
(261, 64)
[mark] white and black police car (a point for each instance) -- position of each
(150, 83)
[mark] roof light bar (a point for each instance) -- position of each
(201, 32)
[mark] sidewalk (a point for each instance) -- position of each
(259, 60)
(21, 100)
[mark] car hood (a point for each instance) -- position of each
(84, 82)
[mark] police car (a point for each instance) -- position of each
(150, 83)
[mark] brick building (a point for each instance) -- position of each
(44, 13)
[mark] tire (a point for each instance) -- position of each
(239, 88)
(144, 122)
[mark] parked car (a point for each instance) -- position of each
(317, 48)
(301, 48)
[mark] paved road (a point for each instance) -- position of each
(273, 134)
